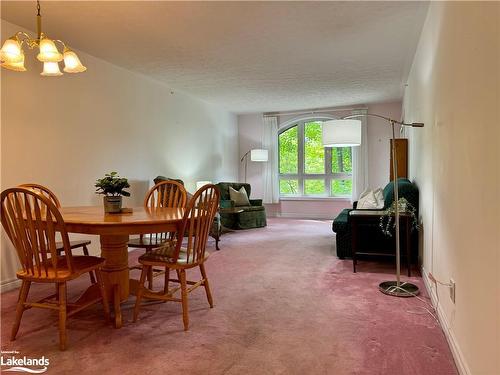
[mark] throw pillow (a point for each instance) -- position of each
(240, 197)
(367, 201)
(364, 193)
(379, 196)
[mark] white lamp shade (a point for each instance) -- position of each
(15, 66)
(72, 63)
(200, 184)
(51, 69)
(48, 51)
(341, 133)
(11, 52)
(259, 155)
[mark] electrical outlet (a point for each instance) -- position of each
(452, 290)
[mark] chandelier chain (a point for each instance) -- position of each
(38, 7)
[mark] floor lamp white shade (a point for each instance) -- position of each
(259, 155)
(341, 133)
(256, 154)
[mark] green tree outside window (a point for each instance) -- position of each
(319, 171)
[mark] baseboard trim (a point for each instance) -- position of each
(458, 356)
(10, 285)
(293, 215)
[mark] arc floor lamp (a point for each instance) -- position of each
(346, 132)
(256, 154)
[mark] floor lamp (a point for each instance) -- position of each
(346, 132)
(255, 155)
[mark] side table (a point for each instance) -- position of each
(357, 216)
(220, 228)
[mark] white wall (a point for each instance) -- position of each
(379, 135)
(250, 133)
(250, 136)
(454, 88)
(64, 132)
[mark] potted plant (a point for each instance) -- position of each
(112, 186)
(387, 218)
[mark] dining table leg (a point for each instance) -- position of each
(115, 272)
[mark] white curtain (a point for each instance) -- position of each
(270, 143)
(360, 159)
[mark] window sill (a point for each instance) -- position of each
(306, 198)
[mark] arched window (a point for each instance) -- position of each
(306, 168)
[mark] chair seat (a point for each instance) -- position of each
(81, 264)
(72, 244)
(165, 254)
(147, 242)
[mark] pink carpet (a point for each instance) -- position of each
(284, 304)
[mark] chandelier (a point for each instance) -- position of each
(12, 54)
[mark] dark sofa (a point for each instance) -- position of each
(253, 216)
(370, 234)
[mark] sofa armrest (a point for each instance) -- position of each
(255, 202)
(341, 222)
(226, 203)
(367, 212)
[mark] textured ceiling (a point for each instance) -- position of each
(247, 56)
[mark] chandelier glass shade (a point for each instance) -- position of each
(12, 53)
(72, 63)
(51, 69)
(48, 51)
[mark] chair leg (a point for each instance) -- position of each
(206, 285)
(23, 295)
(217, 239)
(167, 277)
(140, 291)
(105, 301)
(150, 273)
(184, 295)
(62, 316)
(86, 253)
(150, 278)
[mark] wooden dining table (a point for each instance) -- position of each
(114, 231)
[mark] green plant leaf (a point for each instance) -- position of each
(112, 184)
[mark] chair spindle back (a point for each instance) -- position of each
(168, 193)
(31, 221)
(44, 191)
(197, 221)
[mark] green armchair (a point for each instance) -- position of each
(253, 216)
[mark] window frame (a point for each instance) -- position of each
(301, 176)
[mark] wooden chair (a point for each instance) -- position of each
(59, 245)
(31, 221)
(168, 193)
(196, 224)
